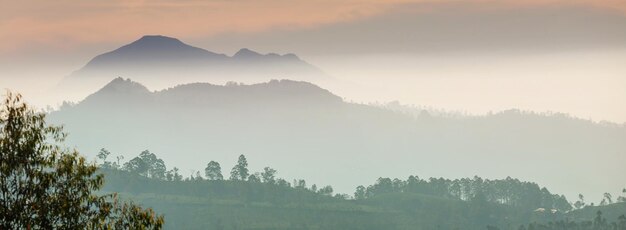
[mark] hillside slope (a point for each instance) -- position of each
(309, 132)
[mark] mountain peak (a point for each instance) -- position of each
(158, 56)
(120, 84)
(147, 38)
(152, 49)
(156, 42)
(246, 53)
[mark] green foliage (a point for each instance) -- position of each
(147, 164)
(509, 191)
(269, 175)
(236, 204)
(44, 186)
(213, 171)
(240, 170)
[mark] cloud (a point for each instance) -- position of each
(459, 27)
(64, 24)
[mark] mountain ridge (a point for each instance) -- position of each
(289, 123)
(122, 91)
(159, 49)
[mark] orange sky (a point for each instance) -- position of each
(68, 24)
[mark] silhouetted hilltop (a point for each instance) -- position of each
(152, 49)
(248, 55)
(204, 95)
(160, 61)
(119, 92)
(122, 86)
(158, 54)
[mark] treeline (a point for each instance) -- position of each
(148, 165)
(507, 202)
(509, 191)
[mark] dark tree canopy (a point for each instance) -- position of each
(147, 164)
(213, 171)
(240, 170)
(46, 186)
(269, 175)
(508, 191)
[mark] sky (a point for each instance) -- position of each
(29, 26)
(464, 55)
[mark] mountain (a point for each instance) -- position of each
(150, 50)
(288, 93)
(308, 132)
(161, 61)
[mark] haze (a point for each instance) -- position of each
(472, 56)
(465, 57)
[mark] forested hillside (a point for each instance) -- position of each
(263, 200)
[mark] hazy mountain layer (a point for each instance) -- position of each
(161, 61)
(308, 132)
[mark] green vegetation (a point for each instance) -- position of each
(45, 186)
(263, 201)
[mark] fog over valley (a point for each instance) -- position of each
(313, 114)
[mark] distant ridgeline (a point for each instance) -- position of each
(288, 124)
(261, 200)
(160, 61)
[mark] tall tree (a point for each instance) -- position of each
(213, 171)
(359, 194)
(240, 170)
(608, 197)
(43, 185)
(268, 175)
(102, 155)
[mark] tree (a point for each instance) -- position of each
(608, 197)
(240, 170)
(173, 175)
(198, 176)
(116, 165)
(213, 171)
(177, 176)
(268, 175)
(147, 164)
(360, 193)
(43, 185)
(102, 155)
(581, 202)
(299, 184)
(622, 198)
(326, 190)
(283, 183)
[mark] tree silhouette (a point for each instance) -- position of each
(359, 194)
(269, 175)
(147, 164)
(213, 171)
(240, 170)
(102, 155)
